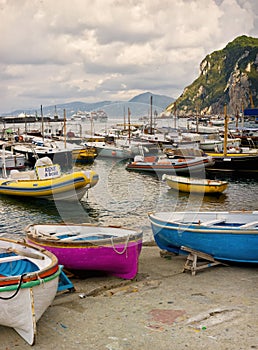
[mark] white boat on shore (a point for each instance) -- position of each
(28, 285)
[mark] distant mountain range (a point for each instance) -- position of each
(139, 105)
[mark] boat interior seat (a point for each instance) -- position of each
(22, 175)
(212, 222)
(79, 235)
(249, 224)
(11, 258)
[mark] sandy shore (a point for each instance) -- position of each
(163, 308)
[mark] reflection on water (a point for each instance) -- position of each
(124, 198)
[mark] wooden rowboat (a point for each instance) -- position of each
(195, 185)
(226, 236)
(112, 250)
(28, 284)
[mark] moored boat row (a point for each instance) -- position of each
(116, 250)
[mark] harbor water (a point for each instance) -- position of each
(124, 198)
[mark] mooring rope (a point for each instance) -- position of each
(125, 247)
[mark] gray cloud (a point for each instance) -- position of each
(55, 52)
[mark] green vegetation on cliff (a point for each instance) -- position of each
(228, 76)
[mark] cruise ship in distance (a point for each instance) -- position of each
(98, 115)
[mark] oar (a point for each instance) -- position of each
(27, 254)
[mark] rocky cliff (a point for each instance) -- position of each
(227, 77)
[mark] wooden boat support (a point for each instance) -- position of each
(192, 264)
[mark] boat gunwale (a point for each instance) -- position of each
(203, 182)
(199, 228)
(41, 273)
(101, 243)
(131, 236)
(30, 283)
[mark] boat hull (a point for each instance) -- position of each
(113, 152)
(26, 308)
(66, 187)
(225, 242)
(211, 145)
(28, 284)
(115, 260)
(62, 157)
(115, 256)
(238, 162)
(169, 166)
(190, 185)
(84, 156)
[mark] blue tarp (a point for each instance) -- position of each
(251, 111)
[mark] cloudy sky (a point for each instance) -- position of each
(60, 51)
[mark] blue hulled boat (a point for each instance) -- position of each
(226, 236)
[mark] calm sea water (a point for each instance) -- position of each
(124, 198)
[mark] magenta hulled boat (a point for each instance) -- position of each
(81, 247)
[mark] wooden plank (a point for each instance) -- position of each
(86, 235)
(192, 264)
(200, 254)
(212, 222)
(249, 224)
(10, 258)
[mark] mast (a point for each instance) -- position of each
(197, 116)
(175, 115)
(65, 128)
(151, 131)
(225, 132)
(42, 122)
(129, 125)
(91, 127)
(124, 119)
(3, 162)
